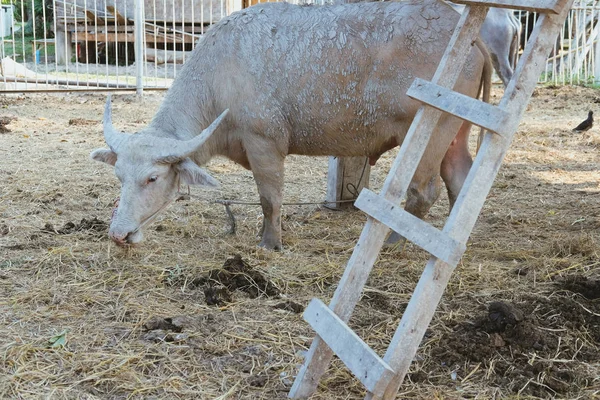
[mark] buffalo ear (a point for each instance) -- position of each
(104, 155)
(192, 174)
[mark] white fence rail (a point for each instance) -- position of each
(65, 45)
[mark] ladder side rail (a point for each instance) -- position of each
(359, 358)
(426, 119)
(541, 6)
(435, 277)
(373, 235)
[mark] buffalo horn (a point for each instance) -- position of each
(112, 137)
(181, 149)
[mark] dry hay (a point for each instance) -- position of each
(84, 319)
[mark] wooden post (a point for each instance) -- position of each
(346, 177)
(63, 47)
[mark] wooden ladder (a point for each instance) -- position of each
(383, 377)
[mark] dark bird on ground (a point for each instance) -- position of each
(585, 125)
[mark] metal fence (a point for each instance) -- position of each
(50, 45)
(96, 44)
(575, 58)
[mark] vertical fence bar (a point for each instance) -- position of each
(34, 45)
(183, 35)
(154, 36)
(139, 47)
(193, 25)
(24, 55)
(97, 52)
(86, 44)
(173, 28)
(597, 55)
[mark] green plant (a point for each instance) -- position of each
(23, 50)
(39, 15)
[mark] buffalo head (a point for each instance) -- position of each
(150, 169)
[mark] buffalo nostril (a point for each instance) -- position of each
(119, 239)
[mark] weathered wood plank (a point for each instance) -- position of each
(541, 6)
(412, 228)
(121, 20)
(364, 363)
(371, 239)
(124, 37)
(464, 107)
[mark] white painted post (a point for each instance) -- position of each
(64, 48)
(139, 47)
(346, 177)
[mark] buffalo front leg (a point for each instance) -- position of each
(267, 168)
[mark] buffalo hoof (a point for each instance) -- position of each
(271, 245)
(395, 240)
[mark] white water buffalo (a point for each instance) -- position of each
(310, 80)
(500, 33)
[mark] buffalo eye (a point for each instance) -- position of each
(153, 178)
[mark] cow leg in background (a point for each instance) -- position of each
(504, 70)
(420, 197)
(457, 163)
(425, 187)
(266, 163)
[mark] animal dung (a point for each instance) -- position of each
(236, 274)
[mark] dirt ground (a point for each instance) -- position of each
(196, 313)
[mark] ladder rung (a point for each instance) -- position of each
(541, 6)
(464, 107)
(431, 239)
(364, 363)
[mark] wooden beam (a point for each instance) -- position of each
(364, 363)
(94, 19)
(121, 20)
(412, 228)
(166, 56)
(125, 37)
(464, 107)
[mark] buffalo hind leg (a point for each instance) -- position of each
(426, 185)
(266, 164)
(456, 163)
(420, 197)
